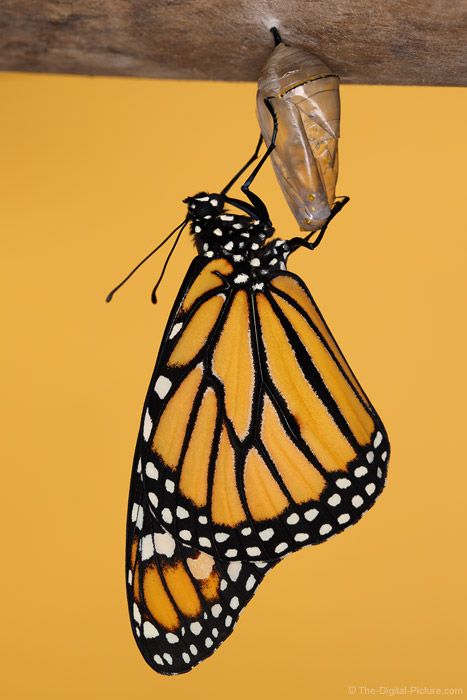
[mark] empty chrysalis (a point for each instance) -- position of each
(304, 94)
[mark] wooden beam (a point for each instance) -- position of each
(421, 42)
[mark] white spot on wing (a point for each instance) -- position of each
(311, 514)
(139, 519)
(167, 515)
(293, 519)
(147, 547)
(266, 534)
(175, 330)
(334, 500)
(250, 582)
(253, 551)
(216, 610)
(151, 471)
(234, 569)
(325, 529)
(136, 614)
(153, 498)
(147, 426)
(221, 536)
(301, 536)
(164, 543)
(201, 567)
(149, 631)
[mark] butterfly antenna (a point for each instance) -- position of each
(153, 295)
(182, 226)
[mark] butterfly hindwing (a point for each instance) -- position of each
(183, 604)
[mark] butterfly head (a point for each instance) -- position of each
(218, 233)
(204, 206)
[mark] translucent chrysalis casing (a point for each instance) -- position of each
(304, 94)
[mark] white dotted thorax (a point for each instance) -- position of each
(243, 240)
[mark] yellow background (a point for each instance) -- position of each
(93, 172)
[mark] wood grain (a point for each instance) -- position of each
(422, 42)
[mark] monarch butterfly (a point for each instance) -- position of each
(304, 94)
(256, 438)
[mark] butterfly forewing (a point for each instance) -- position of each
(261, 438)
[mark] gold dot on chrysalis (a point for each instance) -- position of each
(311, 197)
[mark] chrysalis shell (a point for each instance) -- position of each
(305, 96)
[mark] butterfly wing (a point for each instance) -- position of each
(256, 438)
(183, 604)
(321, 449)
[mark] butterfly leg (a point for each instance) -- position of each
(311, 245)
(247, 165)
(258, 204)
